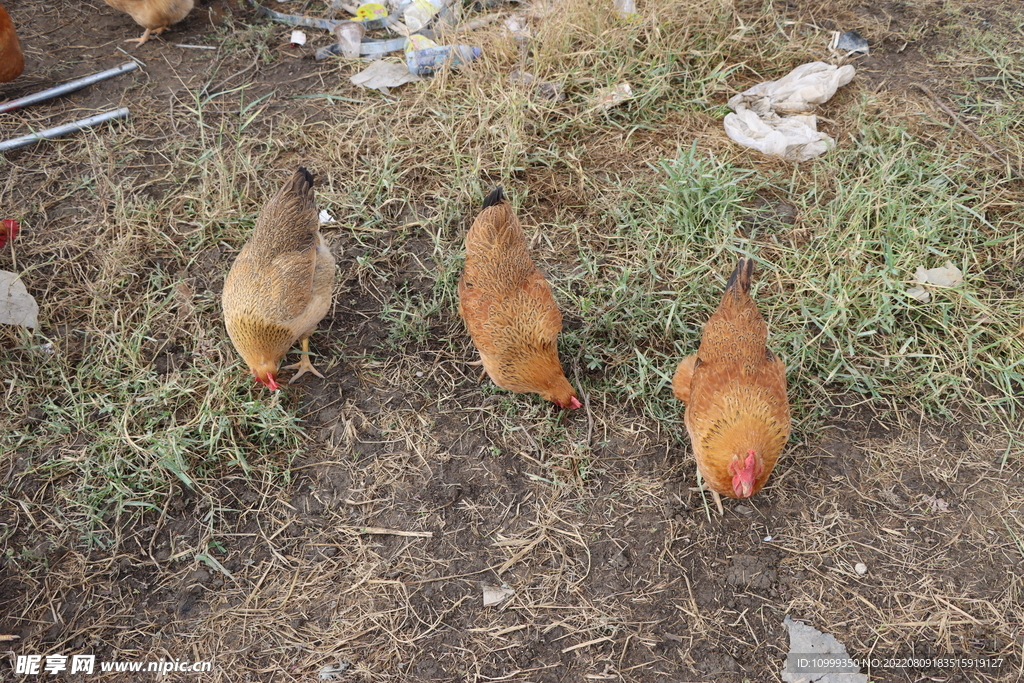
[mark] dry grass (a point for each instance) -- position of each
(155, 505)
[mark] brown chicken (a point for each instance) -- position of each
(156, 16)
(12, 61)
(509, 309)
(280, 285)
(734, 388)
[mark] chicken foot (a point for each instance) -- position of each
(702, 486)
(718, 502)
(483, 371)
(304, 365)
(145, 36)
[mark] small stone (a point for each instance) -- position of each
(861, 568)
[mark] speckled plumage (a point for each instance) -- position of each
(281, 283)
(509, 309)
(734, 388)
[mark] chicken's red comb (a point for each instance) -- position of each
(10, 230)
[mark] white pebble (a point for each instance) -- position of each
(861, 568)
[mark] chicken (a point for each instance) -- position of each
(734, 388)
(8, 230)
(156, 16)
(281, 283)
(12, 61)
(508, 307)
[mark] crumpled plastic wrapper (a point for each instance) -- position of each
(774, 118)
(625, 8)
(383, 75)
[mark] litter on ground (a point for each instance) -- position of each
(773, 117)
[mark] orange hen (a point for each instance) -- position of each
(280, 285)
(156, 16)
(734, 388)
(509, 309)
(12, 61)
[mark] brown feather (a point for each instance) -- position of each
(12, 60)
(735, 390)
(509, 309)
(154, 15)
(280, 285)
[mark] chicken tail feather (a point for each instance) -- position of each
(741, 277)
(302, 181)
(496, 195)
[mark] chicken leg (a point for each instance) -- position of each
(304, 365)
(145, 36)
(480, 364)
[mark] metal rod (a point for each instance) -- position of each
(63, 130)
(67, 87)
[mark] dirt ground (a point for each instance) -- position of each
(369, 548)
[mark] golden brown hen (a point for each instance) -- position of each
(734, 388)
(280, 285)
(156, 16)
(12, 60)
(509, 309)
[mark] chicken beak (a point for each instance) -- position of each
(269, 382)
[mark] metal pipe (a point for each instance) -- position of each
(67, 87)
(63, 130)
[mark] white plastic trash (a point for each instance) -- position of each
(774, 118)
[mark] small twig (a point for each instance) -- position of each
(393, 532)
(133, 57)
(586, 407)
(530, 439)
(595, 641)
(958, 122)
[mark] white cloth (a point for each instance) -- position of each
(772, 117)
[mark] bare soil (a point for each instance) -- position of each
(620, 570)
